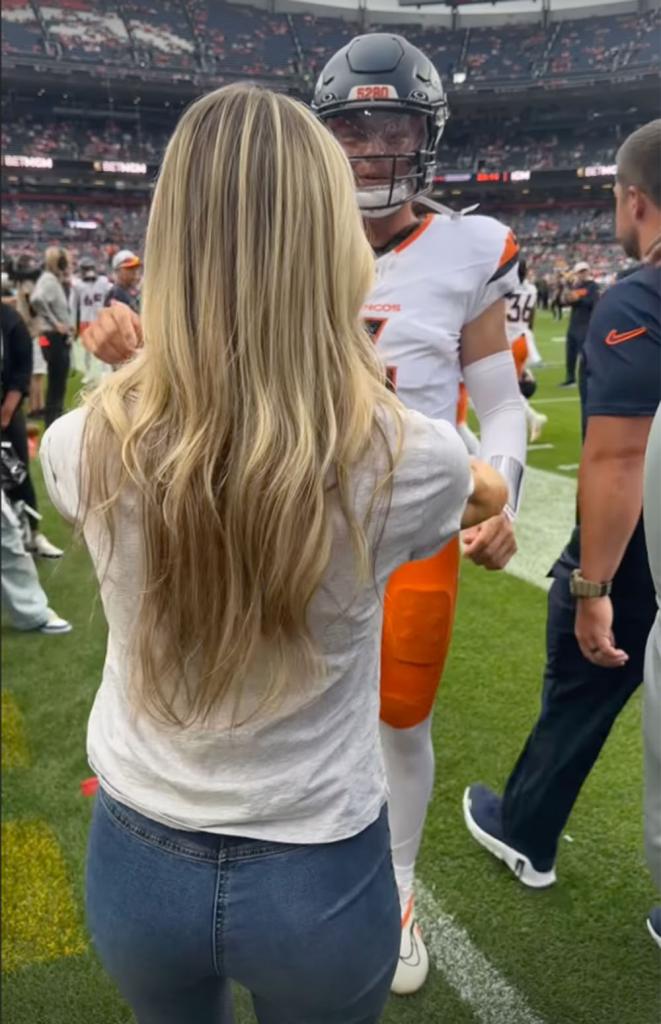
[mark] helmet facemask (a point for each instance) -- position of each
(392, 153)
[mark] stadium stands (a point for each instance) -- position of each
(478, 150)
(242, 40)
(160, 30)
(83, 30)
(21, 32)
(80, 140)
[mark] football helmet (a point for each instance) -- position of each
(380, 85)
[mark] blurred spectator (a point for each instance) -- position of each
(22, 593)
(126, 271)
(50, 301)
(16, 373)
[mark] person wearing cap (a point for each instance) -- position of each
(126, 270)
(582, 297)
(601, 604)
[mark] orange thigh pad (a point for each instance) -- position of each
(520, 353)
(417, 628)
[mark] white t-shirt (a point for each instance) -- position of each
(313, 772)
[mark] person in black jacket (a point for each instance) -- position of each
(16, 375)
(582, 298)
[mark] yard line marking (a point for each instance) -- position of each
(567, 467)
(543, 526)
(39, 919)
(539, 447)
(14, 744)
(558, 337)
(476, 981)
(554, 401)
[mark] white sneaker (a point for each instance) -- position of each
(54, 625)
(537, 423)
(42, 547)
(413, 964)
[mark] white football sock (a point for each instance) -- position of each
(409, 760)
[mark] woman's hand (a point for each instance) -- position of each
(115, 335)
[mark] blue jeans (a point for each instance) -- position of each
(312, 931)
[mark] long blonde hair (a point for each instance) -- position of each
(256, 386)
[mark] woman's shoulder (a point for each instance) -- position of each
(65, 434)
(60, 454)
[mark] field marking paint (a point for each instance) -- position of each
(556, 401)
(567, 467)
(14, 743)
(539, 447)
(39, 919)
(558, 338)
(544, 524)
(467, 971)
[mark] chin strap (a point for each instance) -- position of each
(448, 211)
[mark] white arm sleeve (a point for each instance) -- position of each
(494, 391)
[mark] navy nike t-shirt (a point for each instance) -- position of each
(622, 355)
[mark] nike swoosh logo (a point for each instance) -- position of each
(614, 338)
(412, 959)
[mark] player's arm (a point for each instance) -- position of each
(488, 496)
(623, 393)
(490, 377)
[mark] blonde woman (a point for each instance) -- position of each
(246, 485)
(50, 301)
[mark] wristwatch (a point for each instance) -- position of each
(580, 587)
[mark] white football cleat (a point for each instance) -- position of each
(413, 963)
(42, 547)
(536, 424)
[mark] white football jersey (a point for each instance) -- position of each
(521, 304)
(440, 278)
(90, 298)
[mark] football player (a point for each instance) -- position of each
(521, 304)
(437, 314)
(90, 294)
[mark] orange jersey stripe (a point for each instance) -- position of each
(424, 224)
(510, 250)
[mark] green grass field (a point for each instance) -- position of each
(576, 954)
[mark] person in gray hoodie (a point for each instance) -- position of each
(50, 301)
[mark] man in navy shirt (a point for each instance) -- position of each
(601, 604)
(582, 298)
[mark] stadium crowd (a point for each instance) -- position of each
(483, 147)
(188, 34)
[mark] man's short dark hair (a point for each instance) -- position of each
(639, 161)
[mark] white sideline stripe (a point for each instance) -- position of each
(544, 524)
(477, 983)
(555, 401)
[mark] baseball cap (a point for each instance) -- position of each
(125, 258)
(578, 267)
